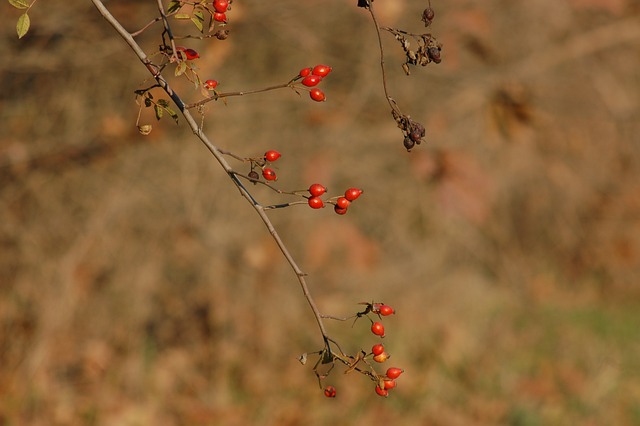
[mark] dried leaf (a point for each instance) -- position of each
(145, 129)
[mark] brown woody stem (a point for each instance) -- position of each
(215, 151)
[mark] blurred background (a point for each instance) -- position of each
(137, 287)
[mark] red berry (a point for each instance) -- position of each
(394, 373)
(352, 193)
(272, 155)
(190, 54)
(221, 6)
(382, 392)
(317, 95)
(210, 84)
(220, 17)
(330, 392)
(304, 72)
(311, 80)
(381, 358)
(342, 202)
(389, 384)
(321, 70)
(315, 202)
(317, 190)
(269, 174)
(377, 349)
(339, 210)
(385, 310)
(377, 328)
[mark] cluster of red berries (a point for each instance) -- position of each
(269, 157)
(220, 8)
(340, 203)
(378, 353)
(379, 309)
(387, 381)
(311, 77)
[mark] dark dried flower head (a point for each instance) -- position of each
(408, 143)
(434, 54)
(221, 34)
(253, 175)
(427, 16)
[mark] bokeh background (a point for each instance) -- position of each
(137, 287)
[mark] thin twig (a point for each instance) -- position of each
(238, 93)
(390, 100)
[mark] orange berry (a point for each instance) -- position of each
(330, 392)
(315, 202)
(269, 174)
(382, 392)
(317, 95)
(381, 357)
(394, 373)
(377, 349)
(321, 70)
(352, 193)
(317, 190)
(377, 328)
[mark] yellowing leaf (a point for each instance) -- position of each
(181, 68)
(197, 23)
(23, 25)
(20, 4)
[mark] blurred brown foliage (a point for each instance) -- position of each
(137, 287)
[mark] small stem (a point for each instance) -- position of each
(231, 154)
(240, 93)
(390, 100)
(143, 29)
(339, 318)
(283, 205)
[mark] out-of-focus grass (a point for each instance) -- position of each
(136, 286)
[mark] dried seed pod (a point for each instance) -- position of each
(408, 143)
(405, 68)
(434, 54)
(253, 175)
(145, 129)
(427, 16)
(222, 34)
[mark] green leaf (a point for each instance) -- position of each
(182, 16)
(173, 6)
(19, 4)
(197, 23)
(158, 111)
(23, 25)
(163, 103)
(199, 15)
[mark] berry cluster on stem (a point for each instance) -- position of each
(209, 17)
